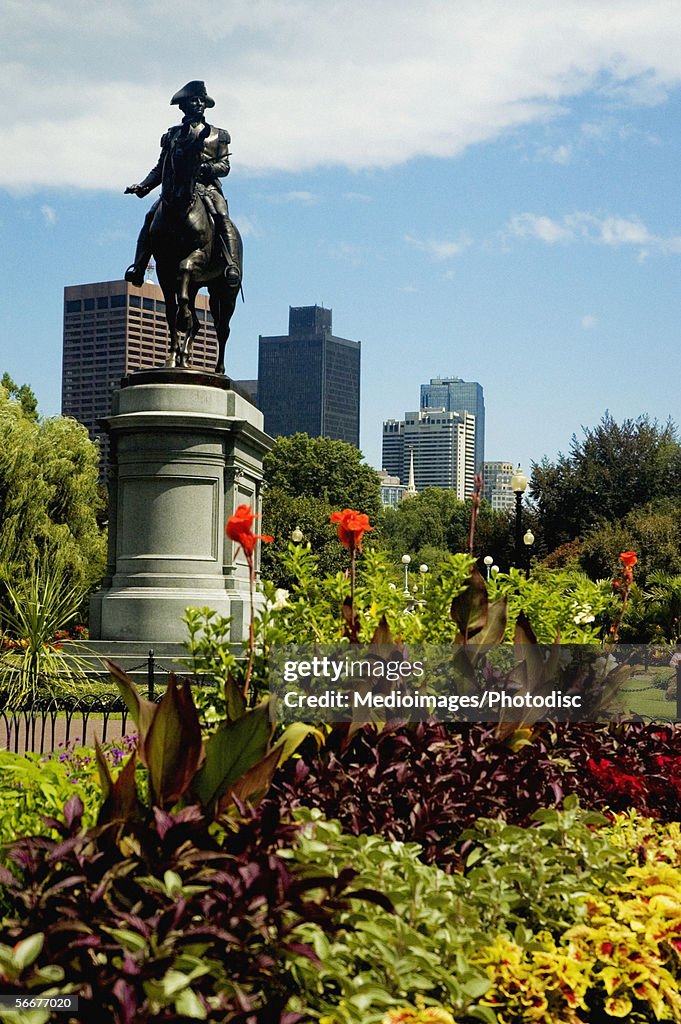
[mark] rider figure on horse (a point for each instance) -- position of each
(192, 100)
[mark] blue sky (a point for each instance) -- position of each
(475, 188)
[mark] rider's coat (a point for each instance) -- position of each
(214, 164)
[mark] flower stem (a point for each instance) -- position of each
(251, 625)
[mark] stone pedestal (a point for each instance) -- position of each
(186, 450)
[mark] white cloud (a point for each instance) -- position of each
(530, 225)
(588, 321)
(611, 231)
(311, 82)
(308, 198)
(557, 154)
(439, 249)
(49, 215)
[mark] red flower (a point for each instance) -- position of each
(629, 559)
(614, 780)
(351, 527)
(240, 529)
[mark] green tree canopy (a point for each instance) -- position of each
(614, 469)
(23, 394)
(653, 531)
(319, 467)
(49, 498)
(436, 522)
(307, 478)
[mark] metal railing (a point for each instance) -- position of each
(50, 723)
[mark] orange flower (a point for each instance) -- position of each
(628, 558)
(240, 529)
(351, 527)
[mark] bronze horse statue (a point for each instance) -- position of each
(187, 252)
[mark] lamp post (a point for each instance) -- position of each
(528, 541)
(423, 569)
(405, 562)
(518, 486)
(297, 535)
(489, 562)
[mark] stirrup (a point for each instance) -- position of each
(233, 276)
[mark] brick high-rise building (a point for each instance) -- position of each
(112, 328)
(308, 380)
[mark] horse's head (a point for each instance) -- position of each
(182, 164)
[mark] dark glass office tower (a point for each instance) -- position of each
(308, 380)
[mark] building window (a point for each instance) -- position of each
(134, 301)
(73, 306)
(117, 301)
(103, 302)
(88, 303)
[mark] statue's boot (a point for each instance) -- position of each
(229, 251)
(136, 271)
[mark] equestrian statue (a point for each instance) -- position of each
(188, 230)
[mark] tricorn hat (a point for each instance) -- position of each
(193, 89)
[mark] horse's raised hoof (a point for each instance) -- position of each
(220, 368)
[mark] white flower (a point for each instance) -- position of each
(280, 599)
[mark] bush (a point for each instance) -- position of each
(568, 922)
(429, 782)
(165, 923)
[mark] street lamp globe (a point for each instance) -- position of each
(528, 539)
(519, 481)
(297, 535)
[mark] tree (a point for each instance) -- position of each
(23, 394)
(332, 471)
(613, 470)
(653, 531)
(437, 521)
(49, 498)
(306, 479)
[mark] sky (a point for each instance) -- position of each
(475, 188)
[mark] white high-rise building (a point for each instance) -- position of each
(496, 486)
(443, 447)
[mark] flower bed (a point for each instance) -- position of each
(409, 874)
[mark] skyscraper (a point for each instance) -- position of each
(110, 329)
(308, 380)
(456, 395)
(497, 485)
(443, 447)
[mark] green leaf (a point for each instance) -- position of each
(469, 609)
(28, 950)
(132, 941)
(232, 751)
(235, 702)
(189, 1005)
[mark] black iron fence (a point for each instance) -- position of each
(53, 722)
